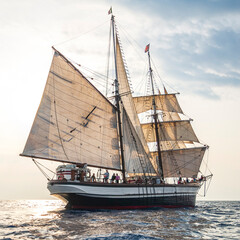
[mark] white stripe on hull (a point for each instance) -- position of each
(122, 192)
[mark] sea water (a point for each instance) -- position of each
(48, 219)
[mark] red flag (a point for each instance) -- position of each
(147, 48)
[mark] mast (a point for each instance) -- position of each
(155, 117)
(117, 99)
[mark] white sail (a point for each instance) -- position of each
(175, 135)
(126, 96)
(136, 159)
(173, 116)
(164, 102)
(185, 162)
(74, 122)
(170, 131)
(170, 116)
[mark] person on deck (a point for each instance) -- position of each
(113, 178)
(82, 175)
(106, 176)
(180, 180)
(93, 178)
(139, 180)
(117, 178)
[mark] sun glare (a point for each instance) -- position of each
(44, 208)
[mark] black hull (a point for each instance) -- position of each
(76, 201)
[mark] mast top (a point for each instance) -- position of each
(110, 11)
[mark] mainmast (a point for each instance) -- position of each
(117, 99)
(155, 117)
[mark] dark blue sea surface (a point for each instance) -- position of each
(47, 219)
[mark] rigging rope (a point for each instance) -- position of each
(139, 49)
(108, 57)
(46, 176)
(206, 163)
(102, 79)
(79, 35)
(139, 52)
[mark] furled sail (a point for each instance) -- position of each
(75, 122)
(164, 102)
(185, 162)
(136, 159)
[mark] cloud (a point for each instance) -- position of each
(207, 93)
(194, 41)
(184, 9)
(201, 47)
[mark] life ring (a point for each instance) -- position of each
(61, 176)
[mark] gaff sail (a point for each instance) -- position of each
(74, 122)
(136, 159)
(127, 99)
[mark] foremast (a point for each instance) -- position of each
(117, 99)
(155, 117)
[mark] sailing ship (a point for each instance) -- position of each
(77, 125)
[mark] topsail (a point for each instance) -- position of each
(164, 102)
(180, 157)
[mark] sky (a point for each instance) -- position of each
(195, 46)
